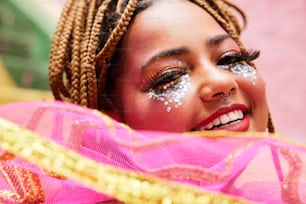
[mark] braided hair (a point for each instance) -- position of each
(85, 46)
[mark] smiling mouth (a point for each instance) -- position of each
(223, 120)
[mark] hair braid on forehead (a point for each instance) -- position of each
(223, 12)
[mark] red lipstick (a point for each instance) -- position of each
(240, 125)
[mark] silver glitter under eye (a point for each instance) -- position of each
(172, 95)
(247, 71)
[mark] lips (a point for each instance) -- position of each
(227, 118)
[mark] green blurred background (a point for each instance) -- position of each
(26, 27)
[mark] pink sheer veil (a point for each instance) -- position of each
(258, 167)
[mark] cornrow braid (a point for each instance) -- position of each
(87, 41)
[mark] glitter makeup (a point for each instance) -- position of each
(238, 64)
(171, 94)
(246, 71)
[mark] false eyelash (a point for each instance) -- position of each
(157, 79)
(244, 56)
(249, 55)
(165, 80)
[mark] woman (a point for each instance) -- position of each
(189, 65)
(169, 69)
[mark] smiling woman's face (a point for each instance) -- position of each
(183, 72)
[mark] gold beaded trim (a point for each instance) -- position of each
(126, 186)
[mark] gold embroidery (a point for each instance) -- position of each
(26, 187)
(54, 175)
(6, 156)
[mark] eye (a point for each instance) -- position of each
(230, 59)
(166, 79)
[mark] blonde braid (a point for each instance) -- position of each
(58, 53)
(82, 91)
(119, 4)
(59, 29)
(88, 89)
(233, 17)
(217, 10)
(76, 52)
(104, 56)
(226, 10)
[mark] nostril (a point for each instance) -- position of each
(224, 95)
(218, 94)
(233, 90)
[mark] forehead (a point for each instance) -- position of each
(165, 18)
(171, 11)
(166, 24)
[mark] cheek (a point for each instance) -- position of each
(156, 115)
(258, 92)
(251, 82)
(256, 96)
(163, 109)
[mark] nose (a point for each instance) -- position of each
(216, 84)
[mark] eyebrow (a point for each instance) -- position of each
(166, 53)
(183, 50)
(218, 39)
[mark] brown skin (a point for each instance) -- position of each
(167, 25)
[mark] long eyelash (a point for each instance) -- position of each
(155, 77)
(166, 77)
(249, 55)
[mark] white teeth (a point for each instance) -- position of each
(224, 119)
(240, 114)
(216, 121)
(209, 126)
(233, 114)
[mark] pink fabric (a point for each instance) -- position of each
(262, 169)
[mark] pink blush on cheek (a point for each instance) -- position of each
(171, 95)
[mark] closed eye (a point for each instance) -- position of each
(230, 59)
